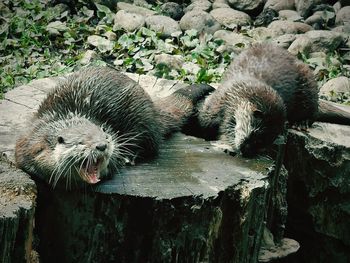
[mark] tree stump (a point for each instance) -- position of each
(191, 204)
(318, 163)
(17, 202)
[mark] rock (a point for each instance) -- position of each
(142, 3)
(172, 61)
(335, 88)
(304, 7)
(128, 21)
(270, 253)
(135, 9)
(265, 17)
(110, 35)
(246, 5)
(200, 21)
(343, 16)
(200, 5)
(260, 34)
(279, 5)
(88, 56)
(17, 209)
(290, 15)
(230, 18)
(233, 41)
(172, 9)
(220, 4)
(285, 40)
(320, 19)
(318, 192)
(337, 6)
(280, 27)
(344, 29)
(163, 24)
(316, 40)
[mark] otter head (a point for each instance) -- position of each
(257, 122)
(83, 150)
(77, 150)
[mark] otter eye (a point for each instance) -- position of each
(60, 139)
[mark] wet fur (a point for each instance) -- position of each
(262, 88)
(96, 116)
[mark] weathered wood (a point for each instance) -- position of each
(318, 163)
(17, 202)
(193, 203)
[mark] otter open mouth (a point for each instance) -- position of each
(90, 171)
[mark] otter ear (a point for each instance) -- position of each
(258, 114)
(60, 139)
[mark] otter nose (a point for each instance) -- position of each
(101, 147)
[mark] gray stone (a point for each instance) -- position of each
(88, 56)
(316, 40)
(233, 41)
(230, 18)
(200, 21)
(172, 9)
(246, 5)
(285, 40)
(290, 15)
(280, 27)
(173, 61)
(110, 35)
(343, 16)
(344, 29)
(128, 21)
(320, 18)
(162, 24)
(142, 3)
(304, 7)
(203, 5)
(279, 5)
(260, 33)
(220, 4)
(135, 9)
(335, 88)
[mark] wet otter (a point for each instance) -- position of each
(262, 88)
(93, 123)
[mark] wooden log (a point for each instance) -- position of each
(318, 163)
(17, 206)
(193, 203)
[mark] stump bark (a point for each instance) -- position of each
(192, 204)
(318, 163)
(17, 206)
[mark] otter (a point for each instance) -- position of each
(95, 122)
(262, 88)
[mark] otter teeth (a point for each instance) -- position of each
(91, 173)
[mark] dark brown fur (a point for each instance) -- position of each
(95, 122)
(268, 83)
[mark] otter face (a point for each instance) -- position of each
(254, 130)
(81, 150)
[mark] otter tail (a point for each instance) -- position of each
(333, 113)
(177, 109)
